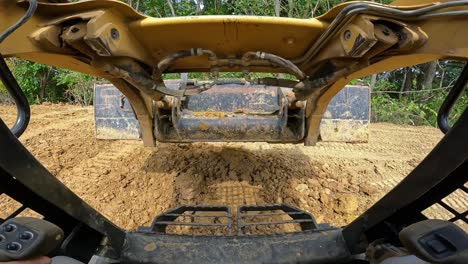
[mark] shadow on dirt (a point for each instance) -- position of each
(234, 175)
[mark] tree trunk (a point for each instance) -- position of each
(429, 74)
(157, 11)
(425, 79)
(442, 76)
(277, 8)
(169, 3)
(373, 80)
(43, 85)
(198, 11)
(407, 84)
(312, 13)
(137, 6)
(291, 8)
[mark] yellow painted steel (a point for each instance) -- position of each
(151, 39)
(228, 35)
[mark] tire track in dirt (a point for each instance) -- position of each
(89, 177)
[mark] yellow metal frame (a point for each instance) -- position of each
(145, 41)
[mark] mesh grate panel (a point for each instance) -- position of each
(452, 208)
(10, 208)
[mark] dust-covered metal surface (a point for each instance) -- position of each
(347, 116)
(236, 99)
(113, 114)
(234, 112)
(231, 112)
(201, 216)
(306, 247)
(255, 216)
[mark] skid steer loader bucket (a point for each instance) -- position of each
(234, 112)
(347, 116)
(113, 114)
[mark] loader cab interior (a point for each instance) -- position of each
(395, 221)
(393, 230)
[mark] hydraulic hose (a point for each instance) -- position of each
(22, 105)
(12, 86)
(276, 60)
(169, 60)
(350, 11)
(29, 13)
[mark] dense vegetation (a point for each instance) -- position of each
(414, 95)
(409, 96)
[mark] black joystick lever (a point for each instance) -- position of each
(26, 237)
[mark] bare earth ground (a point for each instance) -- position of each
(131, 184)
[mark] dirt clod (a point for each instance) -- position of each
(302, 188)
(347, 204)
(367, 189)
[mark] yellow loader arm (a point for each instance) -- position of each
(109, 39)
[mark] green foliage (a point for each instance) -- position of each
(247, 7)
(295, 8)
(28, 76)
(418, 107)
(185, 8)
(37, 81)
(405, 111)
(386, 109)
(4, 96)
(80, 87)
(44, 83)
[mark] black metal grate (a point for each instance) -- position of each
(254, 216)
(217, 220)
(217, 217)
(452, 207)
(10, 208)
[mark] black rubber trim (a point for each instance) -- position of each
(450, 100)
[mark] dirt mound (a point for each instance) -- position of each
(131, 184)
